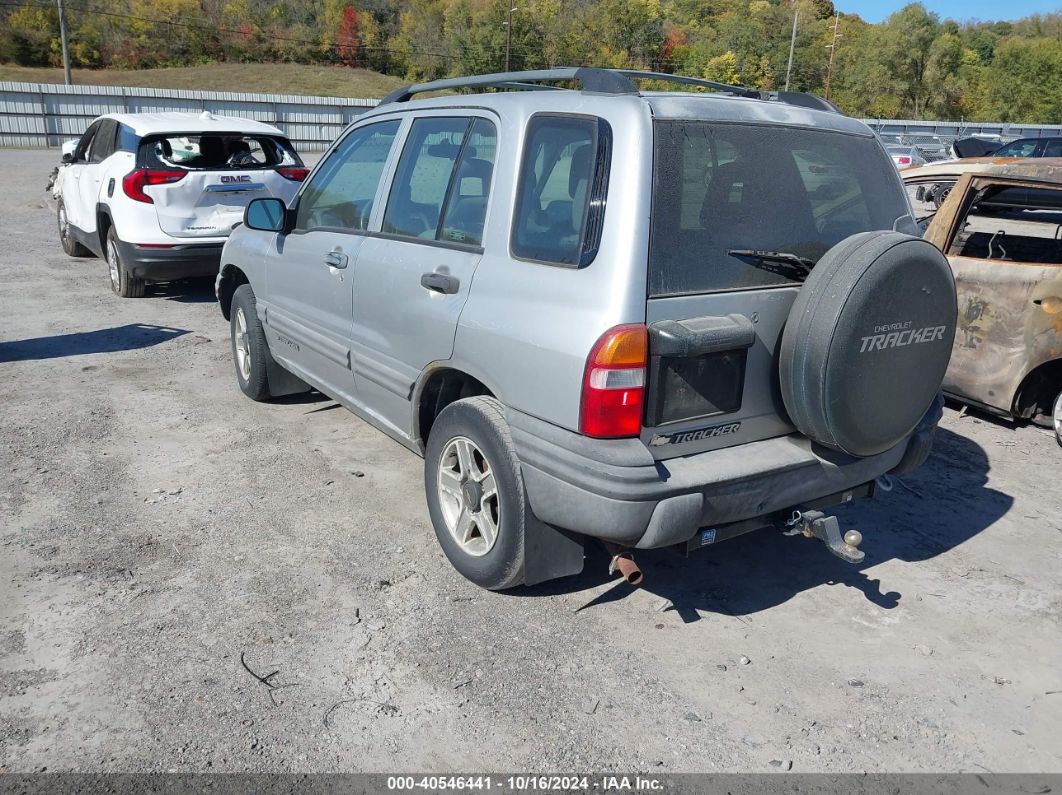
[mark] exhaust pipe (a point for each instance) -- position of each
(623, 562)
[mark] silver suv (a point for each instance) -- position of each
(654, 318)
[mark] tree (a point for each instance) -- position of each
(347, 42)
(1025, 81)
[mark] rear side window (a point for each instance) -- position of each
(560, 202)
(341, 192)
(1012, 224)
(217, 151)
(1053, 148)
(724, 188)
(442, 182)
(127, 139)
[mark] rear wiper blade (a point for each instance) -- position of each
(783, 263)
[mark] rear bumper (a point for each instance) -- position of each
(614, 490)
(183, 261)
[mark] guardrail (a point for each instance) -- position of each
(39, 115)
(961, 129)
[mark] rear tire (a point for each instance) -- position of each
(66, 238)
(123, 284)
(250, 352)
(475, 493)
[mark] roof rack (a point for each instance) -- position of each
(602, 81)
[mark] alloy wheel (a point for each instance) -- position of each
(468, 496)
(242, 345)
(113, 264)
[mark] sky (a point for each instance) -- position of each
(985, 10)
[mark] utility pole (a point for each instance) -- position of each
(792, 44)
(833, 49)
(509, 32)
(66, 49)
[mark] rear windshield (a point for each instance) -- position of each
(722, 188)
(217, 151)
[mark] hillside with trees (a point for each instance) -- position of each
(912, 65)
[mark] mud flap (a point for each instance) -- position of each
(549, 552)
(282, 382)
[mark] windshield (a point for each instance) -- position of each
(720, 188)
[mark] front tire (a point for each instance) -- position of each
(123, 283)
(475, 493)
(250, 351)
(66, 237)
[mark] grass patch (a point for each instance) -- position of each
(259, 78)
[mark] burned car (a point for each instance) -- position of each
(1002, 235)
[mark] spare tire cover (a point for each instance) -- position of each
(867, 342)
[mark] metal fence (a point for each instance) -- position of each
(959, 129)
(37, 115)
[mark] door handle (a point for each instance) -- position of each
(335, 259)
(440, 283)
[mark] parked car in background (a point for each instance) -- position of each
(156, 194)
(658, 319)
(980, 145)
(929, 185)
(931, 147)
(1001, 234)
(905, 156)
(1031, 147)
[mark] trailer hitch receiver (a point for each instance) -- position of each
(815, 524)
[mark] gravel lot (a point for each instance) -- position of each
(158, 529)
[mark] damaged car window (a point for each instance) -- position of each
(724, 193)
(218, 151)
(1012, 224)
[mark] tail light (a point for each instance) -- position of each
(903, 160)
(614, 384)
(294, 173)
(134, 182)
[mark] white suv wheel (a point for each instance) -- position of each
(114, 264)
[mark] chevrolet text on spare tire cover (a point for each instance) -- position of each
(655, 319)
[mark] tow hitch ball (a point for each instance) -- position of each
(815, 524)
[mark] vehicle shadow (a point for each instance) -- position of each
(106, 340)
(184, 291)
(935, 509)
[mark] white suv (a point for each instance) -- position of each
(156, 194)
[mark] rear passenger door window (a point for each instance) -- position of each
(561, 195)
(442, 182)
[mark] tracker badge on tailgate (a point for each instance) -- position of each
(680, 437)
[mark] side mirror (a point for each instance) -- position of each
(266, 215)
(68, 157)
